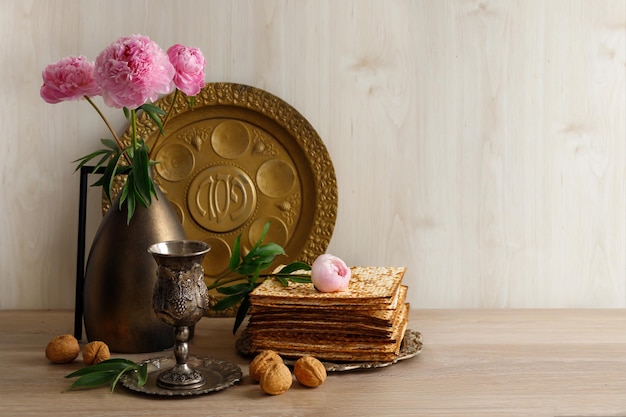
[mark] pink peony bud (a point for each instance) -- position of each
(189, 65)
(330, 274)
(133, 70)
(69, 79)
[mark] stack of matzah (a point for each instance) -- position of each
(364, 323)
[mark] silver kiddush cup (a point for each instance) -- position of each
(180, 299)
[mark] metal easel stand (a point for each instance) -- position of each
(80, 255)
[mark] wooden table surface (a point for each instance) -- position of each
(474, 363)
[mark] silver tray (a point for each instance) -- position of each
(411, 346)
(219, 375)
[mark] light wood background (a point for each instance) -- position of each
(479, 143)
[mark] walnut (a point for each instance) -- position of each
(95, 352)
(309, 371)
(276, 379)
(261, 362)
(62, 349)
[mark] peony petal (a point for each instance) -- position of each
(189, 64)
(71, 78)
(133, 70)
(330, 274)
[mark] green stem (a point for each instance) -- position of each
(167, 116)
(169, 111)
(133, 119)
(219, 283)
(108, 125)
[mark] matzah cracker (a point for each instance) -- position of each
(366, 322)
(289, 316)
(342, 351)
(331, 338)
(369, 286)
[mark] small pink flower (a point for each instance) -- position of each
(69, 79)
(189, 64)
(330, 274)
(133, 70)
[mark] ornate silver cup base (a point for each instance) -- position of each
(181, 378)
(181, 375)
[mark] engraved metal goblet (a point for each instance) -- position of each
(180, 299)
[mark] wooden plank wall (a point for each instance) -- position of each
(479, 143)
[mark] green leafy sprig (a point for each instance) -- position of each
(108, 372)
(139, 187)
(248, 268)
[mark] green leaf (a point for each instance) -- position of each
(119, 375)
(141, 177)
(269, 249)
(109, 143)
(247, 269)
(255, 275)
(294, 266)
(300, 279)
(260, 257)
(106, 154)
(105, 157)
(264, 264)
(254, 264)
(126, 113)
(235, 289)
(106, 180)
(235, 257)
(130, 207)
(153, 108)
(229, 301)
(266, 227)
(107, 372)
(242, 311)
(90, 156)
(123, 195)
(131, 182)
(123, 170)
(154, 112)
(93, 379)
(115, 364)
(142, 374)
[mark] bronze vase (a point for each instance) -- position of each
(120, 277)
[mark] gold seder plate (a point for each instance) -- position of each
(242, 157)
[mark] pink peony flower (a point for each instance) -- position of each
(330, 274)
(189, 65)
(133, 70)
(69, 79)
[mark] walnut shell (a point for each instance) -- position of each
(95, 352)
(309, 371)
(262, 362)
(276, 379)
(62, 349)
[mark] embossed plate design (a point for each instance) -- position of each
(218, 374)
(411, 346)
(242, 157)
